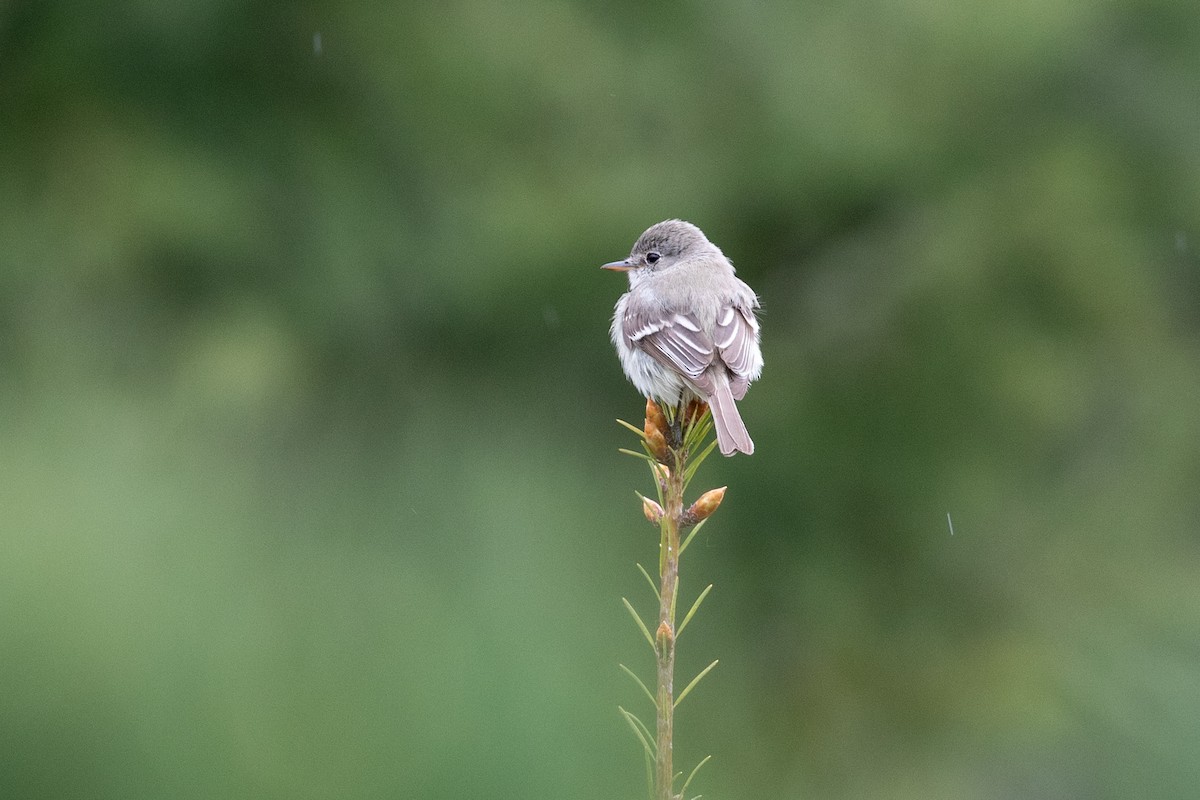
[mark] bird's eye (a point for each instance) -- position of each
(652, 256)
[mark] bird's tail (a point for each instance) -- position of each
(732, 435)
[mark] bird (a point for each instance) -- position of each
(687, 326)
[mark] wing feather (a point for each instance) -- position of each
(678, 341)
(675, 340)
(735, 336)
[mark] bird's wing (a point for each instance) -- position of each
(735, 336)
(675, 340)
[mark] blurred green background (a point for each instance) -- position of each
(308, 473)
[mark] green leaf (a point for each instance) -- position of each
(669, 411)
(645, 732)
(703, 761)
(649, 580)
(687, 617)
(698, 431)
(642, 456)
(697, 436)
(692, 685)
(639, 682)
(688, 539)
(648, 746)
(639, 730)
(641, 625)
(633, 428)
(697, 461)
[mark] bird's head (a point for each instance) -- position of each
(663, 246)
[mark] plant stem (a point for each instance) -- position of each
(670, 436)
(665, 637)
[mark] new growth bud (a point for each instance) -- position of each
(657, 444)
(653, 511)
(704, 506)
(664, 636)
(694, 411)
(662, 473)
(656, 430)
(655, 416)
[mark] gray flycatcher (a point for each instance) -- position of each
(686, 327)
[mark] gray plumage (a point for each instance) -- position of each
(686, 327)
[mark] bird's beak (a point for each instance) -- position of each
(619, 266)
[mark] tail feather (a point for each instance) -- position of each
(732, 435)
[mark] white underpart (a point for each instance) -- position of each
(651, 378)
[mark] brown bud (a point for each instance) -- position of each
(664, 636)
(695, 410)
(657, 443)
(655, 419)
(653, 511)
(704, 506)
(662, 473)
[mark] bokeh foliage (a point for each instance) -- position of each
(307, 464)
